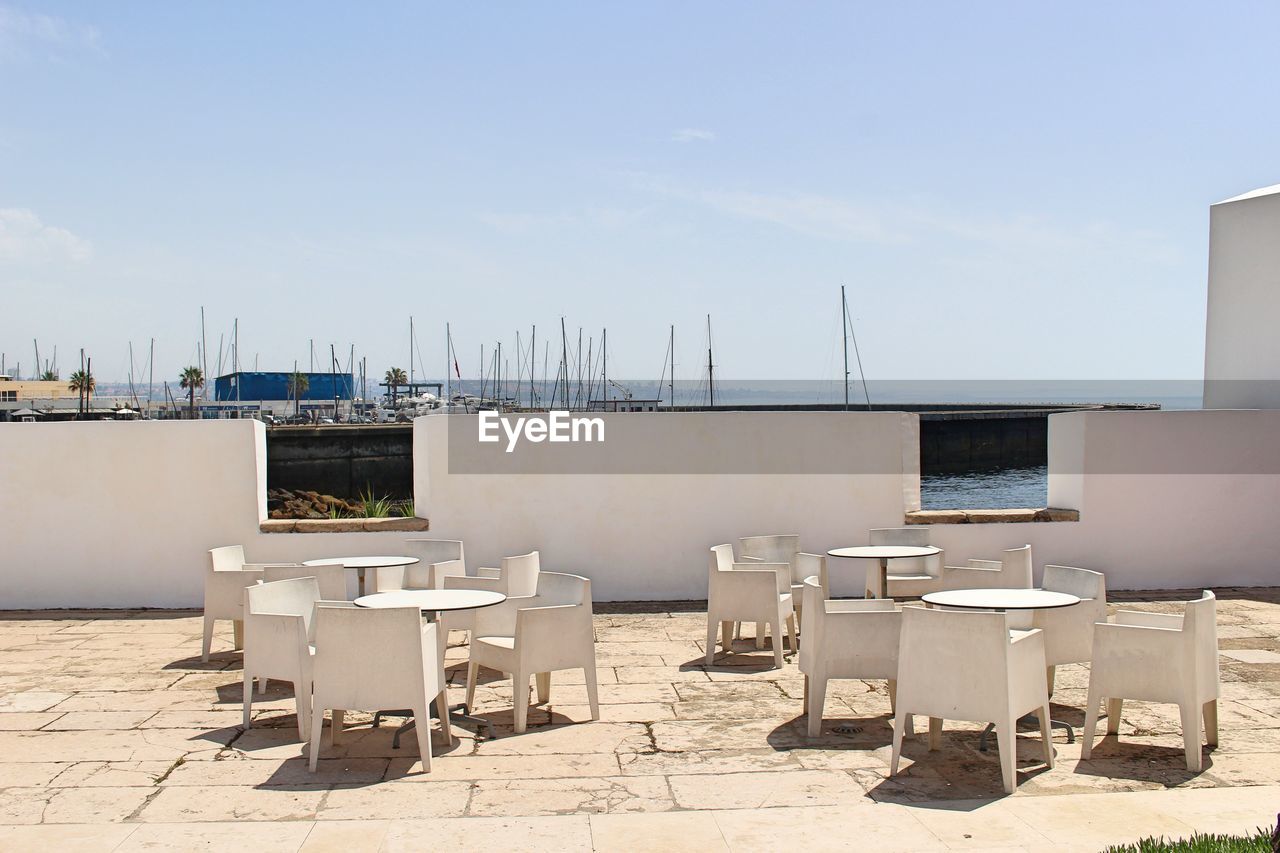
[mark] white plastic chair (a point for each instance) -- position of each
(909, 577)
(782, 548)
(1012, 571)
(368, 658)
(853, 638)
(1068, 631)
(1158, 657)
(437, 559)
(278, 633)
(332, 578)
(537, 635)
(968, 665)
(517, 576)
(225, 578)
(747, 592)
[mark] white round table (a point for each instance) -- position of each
(360, 564)
(1000, 599)
(432, 602)
(883, 553)
(1004, 600)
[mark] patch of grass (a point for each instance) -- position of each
(405, 508)
(1262, 841)
(336, 512)
(374, 507)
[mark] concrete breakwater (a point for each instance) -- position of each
(348, 461)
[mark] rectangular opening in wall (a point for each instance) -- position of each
(340, 471)
(986, 461)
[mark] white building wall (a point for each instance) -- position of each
(1241, 341)
(105, 514)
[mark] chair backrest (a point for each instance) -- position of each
(1016, 570)
(520, 574)
(915, 536)
(291, 597)
(331, 577)
(228, 558)
(1200, 627)
(1082, 583)
(429, 552)
(557, 588)
(369, 659)
(953, 663)
(777, 548)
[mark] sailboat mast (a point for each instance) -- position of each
(411, 354)
(533, 360)
(844, 338)
(711, 382)
(604, 373)
(564, 361)
(204, 346)
(151, 374)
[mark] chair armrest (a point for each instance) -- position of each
(324, 603)
(984, 564)
(1147, 620)
(552, 628)
(484, 572)
(756, 581)
(257, 567)
(472, 582)
(861, 605)
(1134, 642)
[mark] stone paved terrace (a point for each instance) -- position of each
(113, 736)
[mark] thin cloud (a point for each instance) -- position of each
(24, 239)
(693, 134)
(23, 35)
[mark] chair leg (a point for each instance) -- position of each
(593, 693)
(1046, 735)
(893, 707)
(726, 634)
(520, 700)
(1190, 713)
(899, 719)
(208, 638)
(1007, 738)
(317, 725)
(1210, 711)
(1114, 707)
(776, 627)
(247, 695)
(237, 631)
(542, 680)
(1050, 675)
(302, 702)
(335, 725)
(442, 708)
(791, 632)
(473, 675)
(935, 734)
(262, 686)
(1090, 724)
(423, 731)
(712, 625)
(760, 635)
(814, 705)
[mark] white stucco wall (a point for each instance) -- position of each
(120, 514)
(1241, 342)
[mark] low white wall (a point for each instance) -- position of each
(645, 536)
(1166, 499)
(121, 514)
(111, 514)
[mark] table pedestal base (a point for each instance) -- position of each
(1029, 720)
(457, 714)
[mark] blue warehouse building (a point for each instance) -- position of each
(254, 386)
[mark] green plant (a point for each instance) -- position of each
(406, 508)
(373, 507)
(1259, 842)
(336, 512)
(192, 378)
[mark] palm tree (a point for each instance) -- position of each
(50, 375)
(298, 385)
(191, 379)
(395, 378)
(82, 382)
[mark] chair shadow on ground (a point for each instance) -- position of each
(1115, 758)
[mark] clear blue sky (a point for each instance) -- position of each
(1009, 190)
